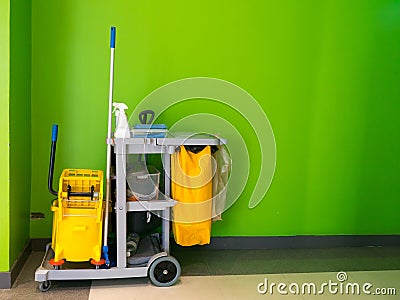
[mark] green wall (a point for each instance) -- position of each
(324, 72)
(20, 125)
(4, 133)
(15, 137)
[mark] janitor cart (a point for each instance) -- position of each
(162, 269)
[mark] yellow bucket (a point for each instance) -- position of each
(78, 216)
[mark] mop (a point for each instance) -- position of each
(109, 132)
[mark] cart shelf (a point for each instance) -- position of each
(151, 205)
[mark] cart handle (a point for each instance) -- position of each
(54, 134)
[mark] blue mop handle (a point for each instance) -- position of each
(54, 133)
(112, 39)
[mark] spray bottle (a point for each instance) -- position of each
(121, 121)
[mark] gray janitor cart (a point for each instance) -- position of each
(162, 269)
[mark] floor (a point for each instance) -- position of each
(242, 274)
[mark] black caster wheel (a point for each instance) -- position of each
(164, 271)
(44, 286)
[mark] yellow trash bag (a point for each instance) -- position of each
(192, 187)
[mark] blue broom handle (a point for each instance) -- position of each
(54, 133)
(112, 39)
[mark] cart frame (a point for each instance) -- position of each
(122, 147)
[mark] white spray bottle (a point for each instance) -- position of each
(121, 121)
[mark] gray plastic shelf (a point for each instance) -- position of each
(167, 145)
(151, 205)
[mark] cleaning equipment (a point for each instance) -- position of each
(82, 188)
(220, 181)
(77, 213)
(146, 128)
(121, 121)
(78, 220)
(109, 135)
(192, 188)
(132, 242)
(150, 130)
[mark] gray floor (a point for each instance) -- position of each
(25, 286)
(198, 262)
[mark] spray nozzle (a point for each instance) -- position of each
(119, 107)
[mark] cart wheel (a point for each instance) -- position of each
(164, 271)
(44, 286)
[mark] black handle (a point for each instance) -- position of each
(52, 159)
(70, 193)
(144, 114)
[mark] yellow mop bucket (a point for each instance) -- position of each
(78, 216)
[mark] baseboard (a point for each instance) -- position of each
(40, 244)
(278, 242)
(7, 279)
(300, 241)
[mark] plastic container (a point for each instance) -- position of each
(132, 242)
(144, 184)
(138, 221)
(78, 216)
